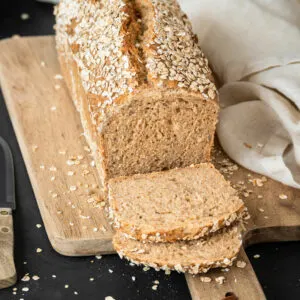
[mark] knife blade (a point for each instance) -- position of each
(7, 204)
(7, 188)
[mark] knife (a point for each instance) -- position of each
(7, 204)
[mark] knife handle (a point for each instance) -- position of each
(8, 275)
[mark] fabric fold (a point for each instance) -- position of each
(254, 48)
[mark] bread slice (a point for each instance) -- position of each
(143, 87)
(179, 204)
(197, 256)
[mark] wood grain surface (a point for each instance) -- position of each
(8, 274)
(50, 135)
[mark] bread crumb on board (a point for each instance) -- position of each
(205, 279)
(220, 279)
(241, 264)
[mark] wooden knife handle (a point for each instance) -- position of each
(8, 275)
(240, 283)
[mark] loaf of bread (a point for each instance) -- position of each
(142, 86)
(197, 256)
(179, 204)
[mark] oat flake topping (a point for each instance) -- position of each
(92, 28)
(97, 34)
(177, 57)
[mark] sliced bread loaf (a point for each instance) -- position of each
(179, 204)
(197, 256)
(143, 87)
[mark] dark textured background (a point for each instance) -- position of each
(278, 268)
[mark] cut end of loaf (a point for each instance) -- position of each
(159, 131)
(180, 204)
(194, 257)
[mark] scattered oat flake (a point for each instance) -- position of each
(57, 86)
(167, 272)
(98, 256)
(42, 167)
(38, 225)
(34, 148)
(92, 279)
(73, 188)
(205, 279)
(58, 76)
(283, 196)
(154, 287)
(95, 229)
(220, 279)
(261, 209)
(241, 264)
(62, 152)
(110, 271)
(133, 278)
(92, 163)
(35, 277)
(43, 64)
(15, 289)
(59, 212)
(75, 293)
(70, 173)
(85, 172)
(84, 217)
(71, 224)
(52, 178)
(53, 169)
(25, 289)
(39, 250)
(53, 276)
(54, 195)
(256, 256)
(26, 277)
(145, 269)
(66, 286)
(156, 281)
(87, 149)
(53, 108)
(109, 298)
(24, 16)
(259, 196)
(70, 162)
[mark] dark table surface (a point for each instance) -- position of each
(278, 267)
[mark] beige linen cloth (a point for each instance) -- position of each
(254, 48)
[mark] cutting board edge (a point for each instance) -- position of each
(69, 247)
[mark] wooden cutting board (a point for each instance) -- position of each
(64, 180)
